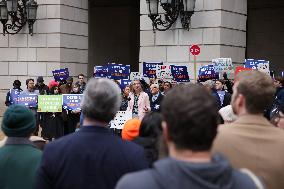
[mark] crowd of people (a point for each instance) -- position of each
(212, 134)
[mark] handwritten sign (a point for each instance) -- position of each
(164, 72)
(120, 118)
(72, 101)
(49, 103)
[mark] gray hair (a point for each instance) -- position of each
(209, 83)
(155, 85)
(101, 99)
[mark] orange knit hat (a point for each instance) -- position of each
(131, 129)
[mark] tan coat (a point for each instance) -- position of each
(252, 142)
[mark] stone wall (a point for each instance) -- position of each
(218, 27)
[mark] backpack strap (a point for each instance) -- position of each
(253, 177)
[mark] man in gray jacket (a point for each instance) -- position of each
(189, 129)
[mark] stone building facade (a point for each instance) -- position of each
(79, 34)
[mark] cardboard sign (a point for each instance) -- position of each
(49, 103)
(260, 65)
(120, 118)
(180, 73)
(149, 69)
(60, 75)
(72, 101)
(207, 72)
(28, 100)
(164, 72)
(223, 64)
(118, 71)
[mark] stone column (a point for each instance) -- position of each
(60, 40)
(217, 26)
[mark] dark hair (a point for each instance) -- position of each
(151, 125)
(28, 80)
(53, 88)
(81, 75)
(257, 89)
(191, 116)
(168, 83)
(17, 83)
(280, 79)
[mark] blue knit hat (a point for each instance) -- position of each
(18, 121)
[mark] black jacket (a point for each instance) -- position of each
(156, 105)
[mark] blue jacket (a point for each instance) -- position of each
(93, 157)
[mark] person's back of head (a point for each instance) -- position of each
(256, 88)
(101, 100)
(190, 114)
(151, 125)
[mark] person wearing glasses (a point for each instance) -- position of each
(81, 83)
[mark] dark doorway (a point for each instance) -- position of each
(265, 32)
(114, 33)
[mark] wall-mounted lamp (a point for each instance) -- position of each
(14, 14)
(172, 8)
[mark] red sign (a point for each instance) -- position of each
(194, 50)
(240, 69)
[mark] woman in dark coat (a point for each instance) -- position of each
(54, 126)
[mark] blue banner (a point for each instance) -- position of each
(252, 63)
(72, 101)
(118, 71)
(180, 73)
(124, 83)
(14, 94)
(208, 72)
(28, 100)
(60, 75)
(149, 68)
(101, 72)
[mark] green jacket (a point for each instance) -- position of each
(19, 160)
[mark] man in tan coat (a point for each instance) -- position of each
(251, 141)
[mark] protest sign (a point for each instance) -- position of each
(49, 103)
(260, 65)
(240, 69)
(207, 72)
(136, 75)
(120, 118)
(124, 83)
(28, 100)
(163, 72)
(72, 101)
(14, 94)
(118, 71)
(222, 64)
(149, 68)
(179, 73)
(101, 72)
(60, 75)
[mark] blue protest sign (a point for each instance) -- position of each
(208, 72)
(149, 68)
(118, 71)
(101, 72)
(28, 100)
(180, 73)
(60, 75)
(124, 83)
(260, 65)
(72, 101)
(14, 94)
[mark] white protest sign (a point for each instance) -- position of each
(264, 67)
(120, 118)
(222, 65)
(135, 75)
(163, 72)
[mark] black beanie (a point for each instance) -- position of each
(18, 121)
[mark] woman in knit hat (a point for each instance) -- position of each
(19, 158)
